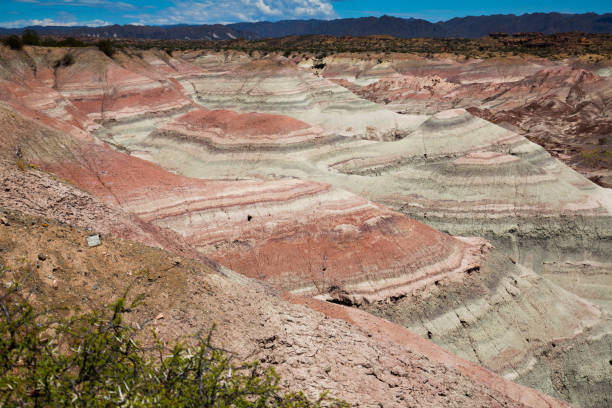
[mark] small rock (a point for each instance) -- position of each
(42, 257)
(4, 221)
(94, 240)
(159, 316)
(54, 284)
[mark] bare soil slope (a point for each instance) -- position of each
(184, 297)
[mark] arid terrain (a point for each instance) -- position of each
(398, 229)
(562, 106)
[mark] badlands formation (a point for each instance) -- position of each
(563, 107)
(345, 218)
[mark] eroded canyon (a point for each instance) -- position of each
(346, 213)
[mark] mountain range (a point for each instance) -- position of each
(461, 27)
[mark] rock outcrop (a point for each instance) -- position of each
(275, 86)
(301, 236)
(565, 108)
(310, 193)
(355, 356)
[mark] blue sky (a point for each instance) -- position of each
(19, 13)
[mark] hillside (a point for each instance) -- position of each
(316, 348)
(400, 252)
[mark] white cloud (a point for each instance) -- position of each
(215, 11)
(264, 8)
(51, 22)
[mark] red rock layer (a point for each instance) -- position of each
(94, 87)
(104, 90)
(39, 193)
(228, 128)
(309, 237)
(301, 236)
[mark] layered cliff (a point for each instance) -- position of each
(447, 224)
(560, 105)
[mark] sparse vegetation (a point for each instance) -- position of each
(65, 61)
(13, 42)
(597, 157)
(595, 47)
(555, 46)
(21, 165)
(107, 47)
(66, 42)
(95, 360)
(30, 37)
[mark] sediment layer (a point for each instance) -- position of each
(311, 194)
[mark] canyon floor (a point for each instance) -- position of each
(398, 230)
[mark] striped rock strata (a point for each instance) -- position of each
(339, 356)
(228, 130)
(105, 89)
(436, 191)
(255, 189)
(562, 106)
(354, 356)
(468, 177)
(276, 86)
(309, 238)
(304, 237)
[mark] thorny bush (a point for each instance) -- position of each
(94, 360)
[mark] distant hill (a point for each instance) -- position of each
(176, 32)
(397, 27)
(465, 27)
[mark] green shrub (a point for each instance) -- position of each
(66, 61)
(30, 37)
(66, 42)
(71, 42)
(94, 360)
(14, 42)
(107, 47)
